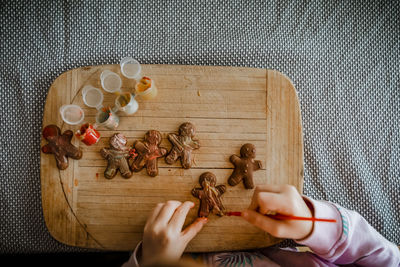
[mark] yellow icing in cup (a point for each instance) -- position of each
(146, 88)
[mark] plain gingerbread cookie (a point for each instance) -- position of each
(245, 165)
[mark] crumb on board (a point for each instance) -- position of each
(198, 93)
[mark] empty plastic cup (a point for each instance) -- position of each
(92, 97)
(127, 103)
(130, 68)
(110, 81)
(72, 114)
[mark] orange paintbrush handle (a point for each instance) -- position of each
(291, 217)
(285, 217)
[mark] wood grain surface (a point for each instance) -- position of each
(229, 106)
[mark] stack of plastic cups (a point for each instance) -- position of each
(74, 114)
(93, 97)
(105, 117)
(145, 87)
(125, 102)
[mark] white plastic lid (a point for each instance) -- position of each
(92, 97)
(130, 68)
(72, 114)
(110, 81)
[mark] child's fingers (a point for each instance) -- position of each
(192, 230)
(268, 202)
(265, 201)
(263, 222)
(153, 215)
(166, 212)
(179, 217)
(272, 188)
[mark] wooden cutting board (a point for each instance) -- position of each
(229, 106)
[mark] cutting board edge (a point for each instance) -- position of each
(64, 207)
(270, 72)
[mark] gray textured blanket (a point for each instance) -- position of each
(343, 58)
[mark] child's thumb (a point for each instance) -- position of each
(192, 230)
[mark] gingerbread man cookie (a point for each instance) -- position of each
(183, 145)
(117, 155)
(148, 152)
(209, 195)
(60, 145)
(245, 165)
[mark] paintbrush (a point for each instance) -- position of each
(278, 216)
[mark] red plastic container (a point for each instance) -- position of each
(88, 135)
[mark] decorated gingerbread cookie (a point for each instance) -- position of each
(148, 152)
(117, 155)
(245, 165)
(209, 195)
(60, 145)
(183, 145)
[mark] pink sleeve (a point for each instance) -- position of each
(351, 240)
(133, 260)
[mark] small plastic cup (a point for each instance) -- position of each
(130, 68)
(146, 88)
(88, 134)
(126, 103)
(92, 97)
(107, 118)
(72, 114)
(110, 81)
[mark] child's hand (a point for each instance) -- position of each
(283, 199)
(163, 238)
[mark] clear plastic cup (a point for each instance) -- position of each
(110, 81)
(146, 88)
(107, 118)
(126, 103)
(130, 68)
(92, 97)
(72, 114)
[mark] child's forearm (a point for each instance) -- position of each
(350, 240)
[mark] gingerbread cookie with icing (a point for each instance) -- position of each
(148, 152)
(60, 145)
(117, 156)
(209, 195)
(183, 145)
